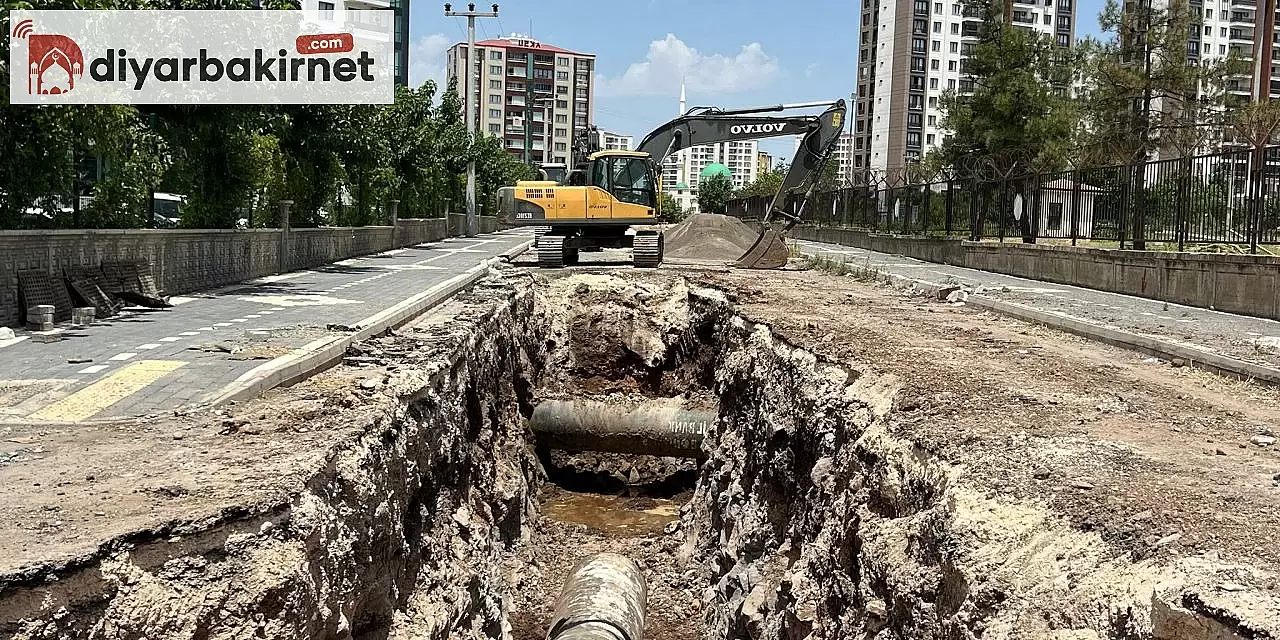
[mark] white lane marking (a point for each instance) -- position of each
(177, 300)
(122, 356)
(276, 309)
(149, 345)
(189, 333)
(239, 320)
(222, 324)
(205, 329)
(170, 339)
(94, 369)
(253, 315)
(266, 313)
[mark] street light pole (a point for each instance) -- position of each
(470, 14)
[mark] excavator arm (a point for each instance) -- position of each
(708, 125)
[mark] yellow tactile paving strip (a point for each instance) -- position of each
(96, 397)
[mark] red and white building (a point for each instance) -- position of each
(531, 94)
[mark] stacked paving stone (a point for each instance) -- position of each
(40, 317)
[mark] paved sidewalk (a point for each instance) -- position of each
(155, 361)
(1202, 330)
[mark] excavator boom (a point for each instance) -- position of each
(708, 125)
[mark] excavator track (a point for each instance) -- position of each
(552, 253)
(647, 249)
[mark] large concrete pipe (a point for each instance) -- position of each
(655, 429)
(603, 599)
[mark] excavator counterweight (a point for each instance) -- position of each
(607, 193)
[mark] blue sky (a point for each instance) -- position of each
(730, 53)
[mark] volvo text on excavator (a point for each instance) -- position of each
(596, 203)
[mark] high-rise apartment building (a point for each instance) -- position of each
(610, 141)
(682, 170)
(764, 162)
(909, 53)
(397, 21)
(530, 94)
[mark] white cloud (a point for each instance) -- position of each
(810, 70)
(670, 60)
(427, 59)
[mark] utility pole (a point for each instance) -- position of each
(470, 14)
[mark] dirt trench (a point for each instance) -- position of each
(438, 516)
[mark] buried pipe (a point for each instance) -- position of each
(603, 599)
(655, 429)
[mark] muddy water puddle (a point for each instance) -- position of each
(615, 515)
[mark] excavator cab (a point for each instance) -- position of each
(627, 176)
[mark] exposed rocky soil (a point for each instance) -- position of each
(883, 466)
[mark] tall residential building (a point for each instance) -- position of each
(681, 171)
(615, 141)
(764, 162)
(909, 53)
(336, 11)
(531, 94)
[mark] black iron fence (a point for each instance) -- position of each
(1228, 198)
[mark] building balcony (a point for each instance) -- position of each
(515, 130)
(520, 58)
(1240, 35)
(1241, 19)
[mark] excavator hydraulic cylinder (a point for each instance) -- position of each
(654, 429)
(603, 599)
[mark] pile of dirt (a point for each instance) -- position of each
(708, 236)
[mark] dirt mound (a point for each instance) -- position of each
(709, 236)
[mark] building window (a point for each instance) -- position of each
(560, 146)
(915, 102)
(495, 99)
(495, 84)
(562, 118)
(562, 90)
(1208, 31)
(937, 27)
(495, 128)
(954, 47)
(933, 102)
(922, 7)
(495, 54)
(1048, 18)
(495, 113)
(937, 45)
(933, 83)
(1064, 40)
(955, 29)
(951, 65)
(917, 45)
(913, 139)
(562, 132)
(933, 64)
(562, 104)
(1208, 13)
(955, 9)
(562, 76)
(917, 83)
(562, 62)
(933, 120)
(913, 120)
(326, 10)
(917, 63)
(1055, 216)
(920, 26)
(937, 7)
(929, 139)
(1064, 22)
(951, 84)
(495, 70)
(1224, 32)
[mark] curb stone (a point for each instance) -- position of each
(321, 354)
(1197, 357)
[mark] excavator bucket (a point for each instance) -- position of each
(768, 252)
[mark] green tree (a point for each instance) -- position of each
(1145, 98)
(714, 192)
(765, 184)
(669, 209)
(1017, 119)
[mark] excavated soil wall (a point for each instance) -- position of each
(810, 518)
(399, 533)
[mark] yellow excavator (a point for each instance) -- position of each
(596, 204)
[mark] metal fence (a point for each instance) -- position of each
(1228, 198)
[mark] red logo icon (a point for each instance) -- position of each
(54, 61)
